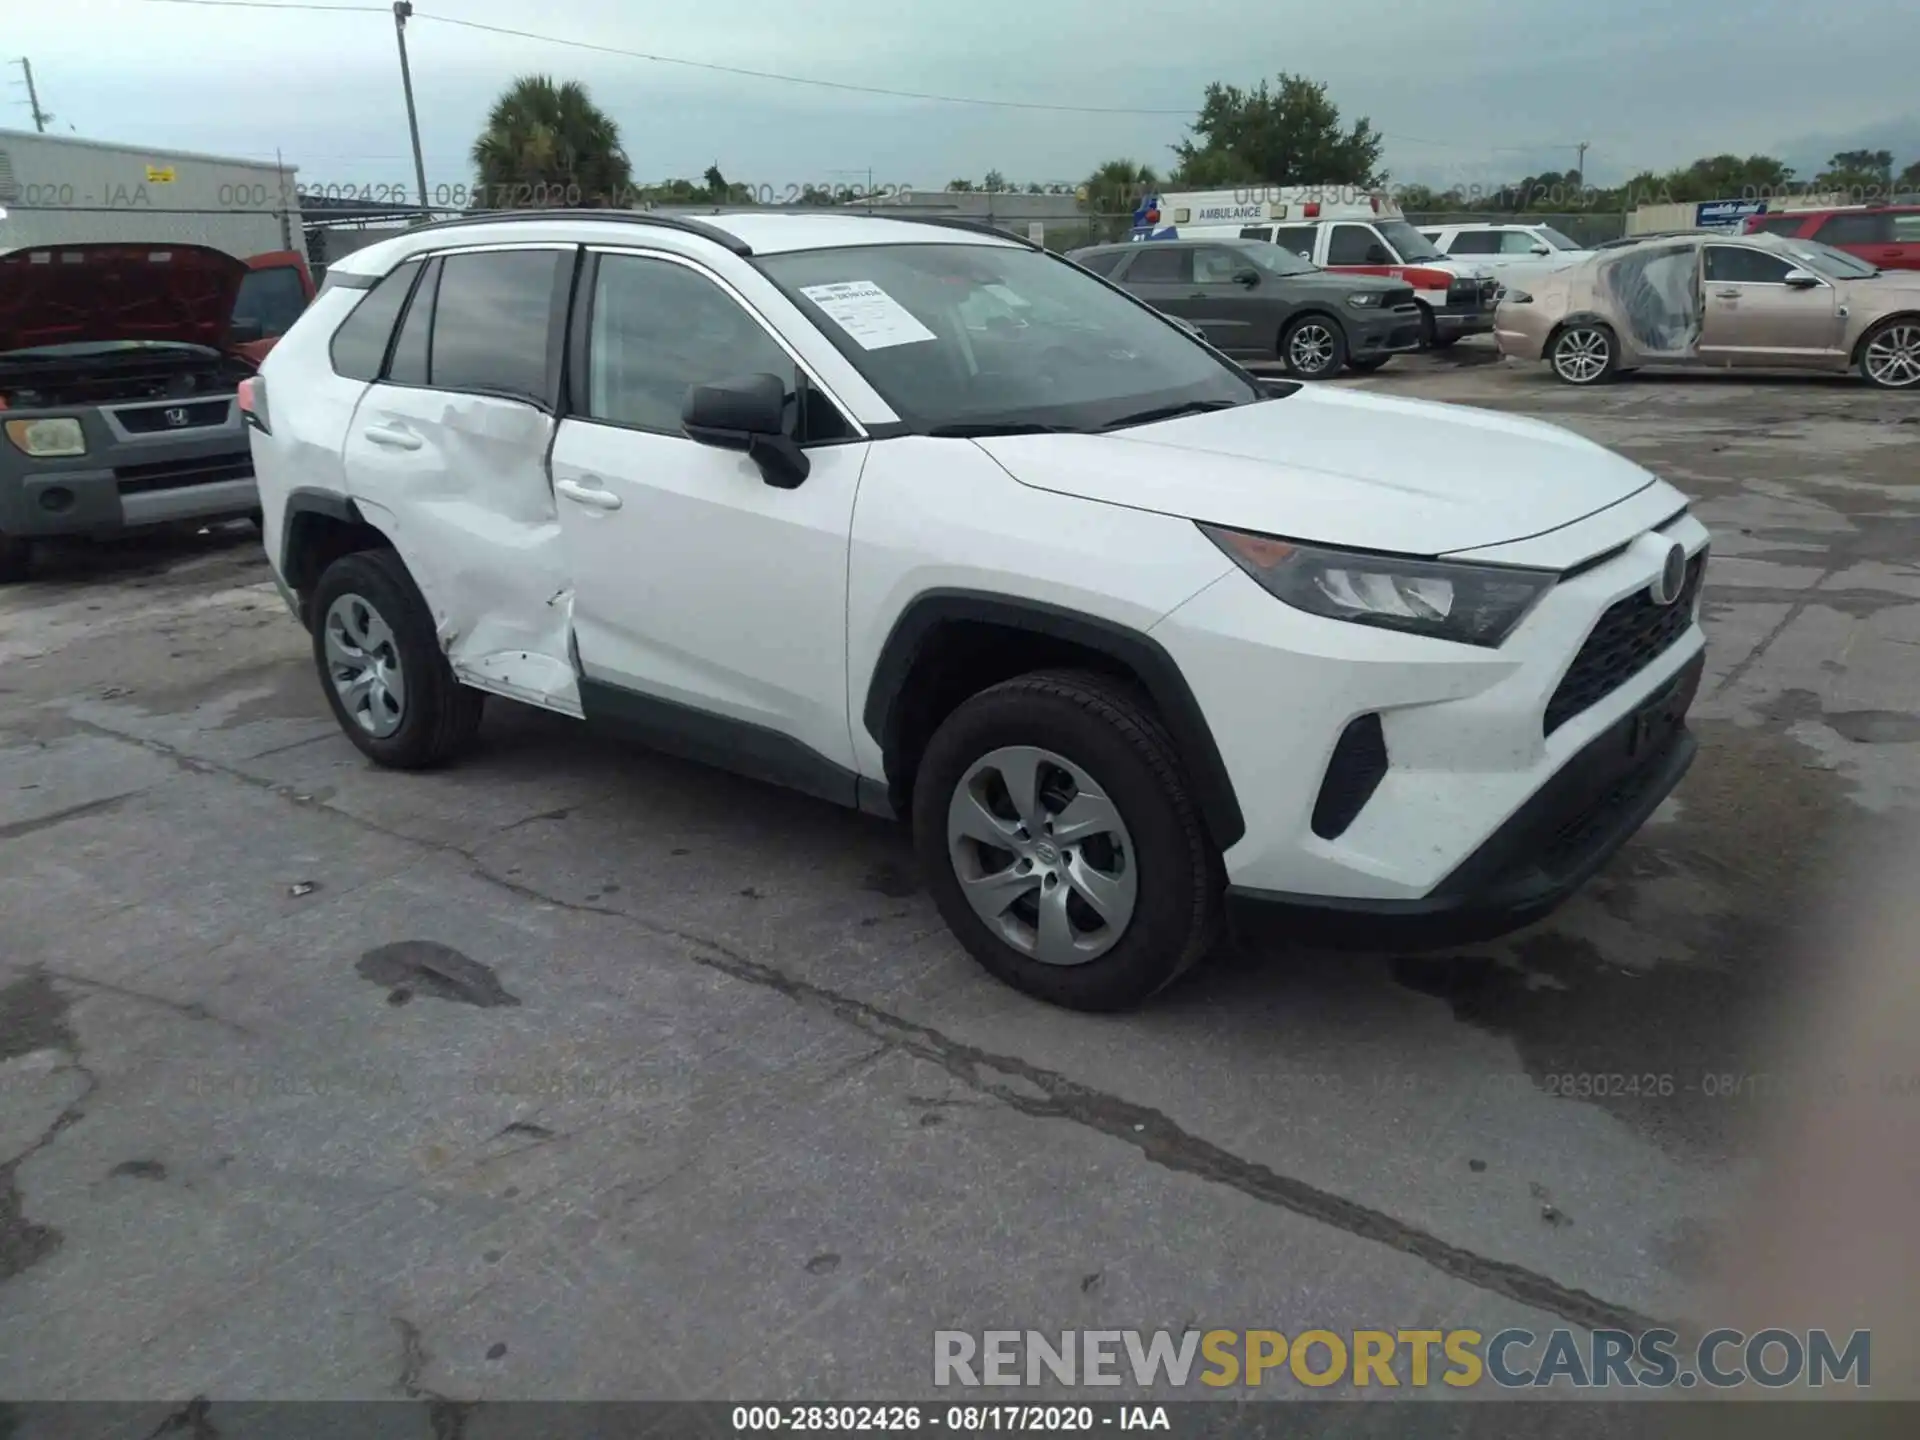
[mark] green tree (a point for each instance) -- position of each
(1116, 187)
(543, 142)
(995, 183)
(1908, 180)
(961, 187)
(1863, 174)
(1286, 134)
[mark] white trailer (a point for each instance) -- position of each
(58, 189)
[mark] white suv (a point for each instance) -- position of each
(1130, 637)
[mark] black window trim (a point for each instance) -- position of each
(579, 340)
(428, 274)
(1705, 264)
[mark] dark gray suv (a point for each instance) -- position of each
(1257, 301)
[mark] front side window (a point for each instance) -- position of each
(658, 330)
(1354, 245)
(1216, 265)
(273, 298)
(359, 346)
(1737, 265)
(492, 320)
(1906, 229)
(1554, 238)
(1518, 242)
(1086, 357)
(1412, 246)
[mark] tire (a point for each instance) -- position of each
(1077, 733)
(1368, 365)
(1429, 333)
(1584, 354)
(16, 558)
(1890, 355)
(366, 605)
(1313, 347)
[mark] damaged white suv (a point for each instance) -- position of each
(925, 520)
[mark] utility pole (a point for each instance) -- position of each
(401, 10)
(40, 117)
(1581, 168)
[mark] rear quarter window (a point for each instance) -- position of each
(359, 346)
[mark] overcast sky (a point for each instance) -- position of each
(1467, 90)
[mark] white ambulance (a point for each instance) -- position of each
(1341, 227)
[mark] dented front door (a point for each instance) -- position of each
(457, 474)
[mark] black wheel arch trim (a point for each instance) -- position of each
(309, 501)
(1144, 656)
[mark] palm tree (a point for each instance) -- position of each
(1117, 186)
(547, 145)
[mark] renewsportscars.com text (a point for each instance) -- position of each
(1413, 1359)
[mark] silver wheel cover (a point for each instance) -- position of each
(363, 662)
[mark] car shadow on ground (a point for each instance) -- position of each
(144, 555)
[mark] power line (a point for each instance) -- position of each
(840, 85)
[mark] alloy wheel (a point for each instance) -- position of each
(1310, 348)
(1581, 356)
(1893, 356)
(1042, 855)
(363, 662)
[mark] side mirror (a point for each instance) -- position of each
(1798, 279)
(1248, 277)
(1543, 249)
(747, 413)
(1377, 255)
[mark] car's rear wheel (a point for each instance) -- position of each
(381, 666)
(1368, 365)
(16, 557)
(1890, 356)
(1584, 354)
(1052, 817)
(1313, 348)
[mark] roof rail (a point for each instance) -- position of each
(958, 222)
(631, 217)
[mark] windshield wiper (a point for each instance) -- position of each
(978, 429)
(1169, 412)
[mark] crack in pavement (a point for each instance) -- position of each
(1043, 1094)
(447, 1418)
(60, 817)
(191, 1009)
(32, 1017)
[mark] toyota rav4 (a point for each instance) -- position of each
(1133, 641)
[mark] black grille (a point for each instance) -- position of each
(1358, 766)
(153, 419)
(178, 474)
(1629, 637)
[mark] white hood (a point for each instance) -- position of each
(1406, 476)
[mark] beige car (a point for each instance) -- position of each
(1718, 301)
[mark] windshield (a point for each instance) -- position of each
(1411, 244)
(973, 338)
(1834, 264)
(1277, 259)
(1554, 238)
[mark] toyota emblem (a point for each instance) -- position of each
(176, 416)
(1672, 578)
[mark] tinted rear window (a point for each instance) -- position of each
(360, 344)
(1856, 230)
(273, 297)
(491, 323)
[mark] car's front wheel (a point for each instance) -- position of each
(1313, 348)
(1052, 817)
(1890, 358)
(381, 666)
(1584, 354)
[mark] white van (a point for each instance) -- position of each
(1339, 227)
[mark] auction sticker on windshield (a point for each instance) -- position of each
(869, 314)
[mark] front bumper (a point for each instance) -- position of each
(128, 479)
(1466, 741)
(1549, 848)
(1469, 318)
(1382, 332)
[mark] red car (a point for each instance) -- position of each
(1884, 235)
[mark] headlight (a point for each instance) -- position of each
(1365, 300)
(1516, 297)
(1473, 604)
(48, 438)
